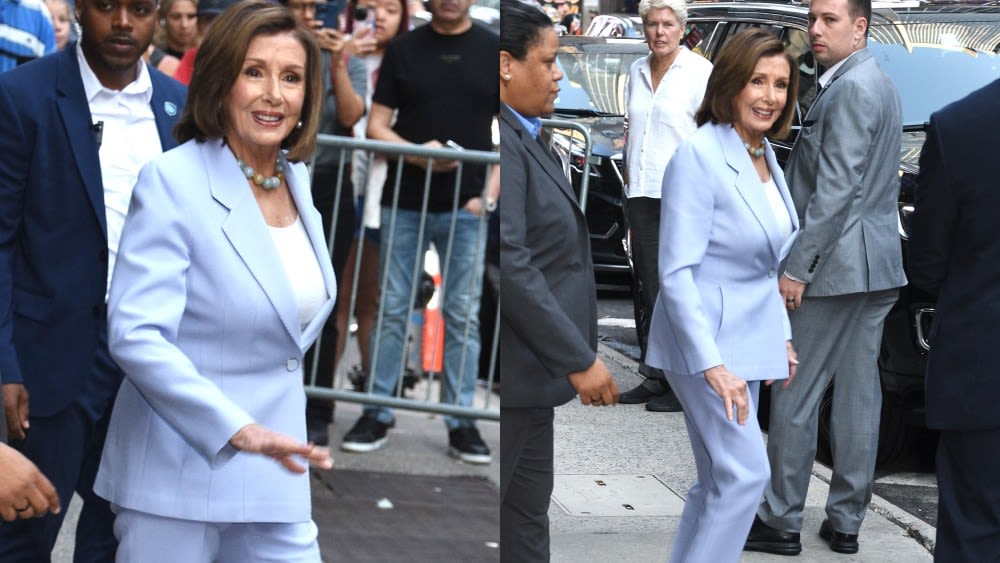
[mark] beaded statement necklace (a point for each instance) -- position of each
(266, 182)
(755, 152)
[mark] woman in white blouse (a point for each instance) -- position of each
(664, 90)
(223, 280)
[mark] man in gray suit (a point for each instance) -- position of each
(841, 279)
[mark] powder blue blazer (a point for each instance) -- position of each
(719, 258)
(204, 324)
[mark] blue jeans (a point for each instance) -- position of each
(462, 276)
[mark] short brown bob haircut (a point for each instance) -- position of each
(732, 71)
(219, 63)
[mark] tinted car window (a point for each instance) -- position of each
(931, 75)
(594, 75)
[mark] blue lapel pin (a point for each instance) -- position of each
(170, 108)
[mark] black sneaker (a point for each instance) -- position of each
(367, 435)
(465, 444)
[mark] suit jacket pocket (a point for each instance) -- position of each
(30, 305)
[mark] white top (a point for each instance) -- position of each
(301, 267)
(781, 215)
(129, 139)
(657, 123)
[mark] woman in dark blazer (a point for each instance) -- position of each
(548, 303)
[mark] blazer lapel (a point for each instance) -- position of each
(248, 233)
(748, 184)
(544, 158)
(850, 63)
(74, 110)
(165, 111)
(299, 185)
(779, 180)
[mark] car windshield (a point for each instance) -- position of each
(594, 76)
(934, 62)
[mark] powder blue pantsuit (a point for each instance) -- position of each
(720, 250)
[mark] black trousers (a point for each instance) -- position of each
(325, 196)
(968, 474)
(526, 466)
(642, 214)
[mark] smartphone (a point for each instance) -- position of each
(365, 15)
(329, 13)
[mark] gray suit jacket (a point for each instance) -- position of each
(843, 177)
(548, 300)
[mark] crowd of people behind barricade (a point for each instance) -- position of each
(168, 219)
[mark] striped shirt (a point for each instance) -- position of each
(26, 32)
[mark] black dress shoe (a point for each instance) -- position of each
(641, 393)
(666, 402)
(839, 542)
(770, 540)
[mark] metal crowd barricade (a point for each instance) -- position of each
(343, 388)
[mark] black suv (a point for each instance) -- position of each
(934, 52)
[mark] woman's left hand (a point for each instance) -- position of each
(732, 389)
(793, 364)
(257, 439)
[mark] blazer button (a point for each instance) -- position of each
(771, 273)
(292, 364)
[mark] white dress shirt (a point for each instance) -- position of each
(128, 140)
(827, 76)
(657, 122)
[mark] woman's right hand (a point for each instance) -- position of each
(732, 389)
(255, 438)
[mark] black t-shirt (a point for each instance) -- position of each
(445, 87)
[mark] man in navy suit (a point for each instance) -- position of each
(954, 253)
(77, 127)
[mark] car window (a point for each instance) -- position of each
(934, 63)
(697, 36)
(594, 75)
(797, 42)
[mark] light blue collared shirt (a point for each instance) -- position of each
(532, 124)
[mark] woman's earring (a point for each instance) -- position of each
(506, 77)
(298, 125)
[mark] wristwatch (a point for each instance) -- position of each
(490, 204)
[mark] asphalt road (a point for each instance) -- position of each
(908, 482)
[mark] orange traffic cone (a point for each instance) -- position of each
(433, 337)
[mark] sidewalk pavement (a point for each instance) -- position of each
(622, 474)
(605, 458)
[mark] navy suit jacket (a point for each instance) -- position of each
(53, 241)
(954, 252)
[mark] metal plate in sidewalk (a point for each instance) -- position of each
(615, 495)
